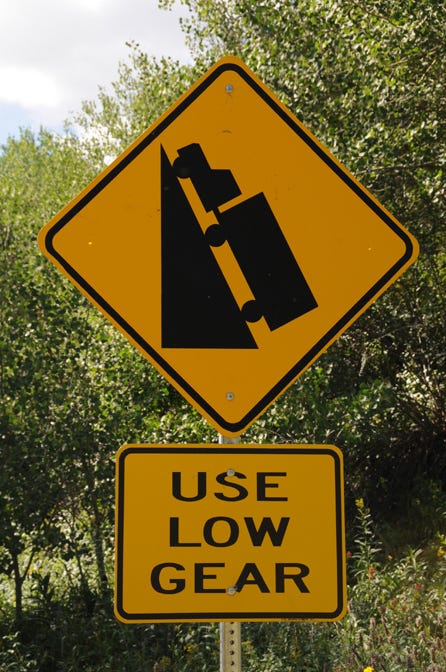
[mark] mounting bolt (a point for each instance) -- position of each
(230, 396)
(229, 88)
(232, 590)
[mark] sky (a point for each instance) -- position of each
(56, 53)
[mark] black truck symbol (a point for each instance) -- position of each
(198, 308)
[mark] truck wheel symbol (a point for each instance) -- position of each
(181, 168)
(251, 311)
(215, 236)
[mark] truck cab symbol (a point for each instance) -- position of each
(280, 291)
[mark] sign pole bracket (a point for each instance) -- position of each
(230, 633)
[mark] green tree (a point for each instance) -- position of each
(37, 175)
(366, 78)
(72, 388)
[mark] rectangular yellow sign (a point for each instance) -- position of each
(244, 532)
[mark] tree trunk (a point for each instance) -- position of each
(99, 547)
(18, 586)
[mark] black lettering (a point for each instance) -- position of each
(242, 492)
(201, 487)
(266, 527)
(262, 485)
(178, 584)
(251, 569)
(174, 524)
(208, 531)
(200, 577)
(297, 577)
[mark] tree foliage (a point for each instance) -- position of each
(367, 78)
(37, 176)
(71, 390)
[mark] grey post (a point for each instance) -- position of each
(230, 633)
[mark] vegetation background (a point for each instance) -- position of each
(368, 78)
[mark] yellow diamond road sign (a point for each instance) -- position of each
(228, 246)
(240, 532)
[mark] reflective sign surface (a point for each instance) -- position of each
(235, 533)
(228, 246)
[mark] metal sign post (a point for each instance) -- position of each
(230, 633)
(230, 647)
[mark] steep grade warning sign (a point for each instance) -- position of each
(229, 246)
(234, 533)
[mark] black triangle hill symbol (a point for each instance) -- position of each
(198, 307)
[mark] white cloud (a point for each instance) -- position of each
(90, 5)
(28, 87)
(55, 53)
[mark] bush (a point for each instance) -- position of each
(395, 622)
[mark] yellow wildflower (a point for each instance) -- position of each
(360, 504)
(369, 669)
